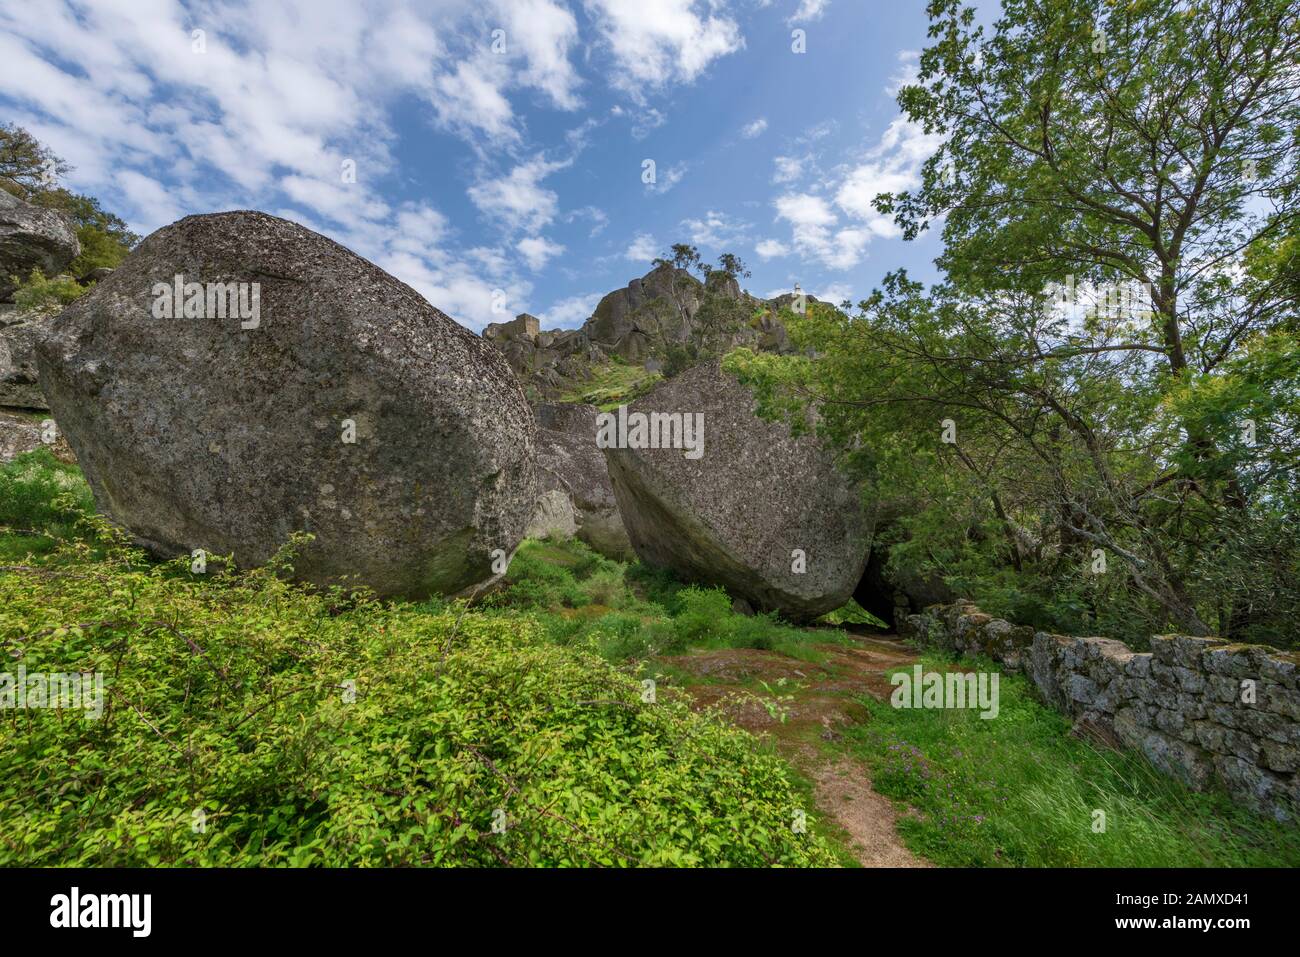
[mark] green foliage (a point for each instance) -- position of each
(37, 293)
(615, 383)
(851, 613)
(41, 500)
(105, 238)
(331, 729)
(26, 165)
(31, 171)
(631, 612)
(1018, 791)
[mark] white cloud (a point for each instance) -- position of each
(788, 168)
(771, 249)
(814, 229)
(892, 166)
(571, 312)
(835, 293)
(666, 179)
(545, 31)
(470, 99)
(155, 204)
(518, 199)
(715, 229)
(646, 121)
(655, 42)
(642, 249)
(756, 128)
(599, 218)
(808, 11)
(538, 251)
(909, 64)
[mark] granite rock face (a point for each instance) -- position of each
(576, 499)
(767, 515)
(32, 238)
(296, 387)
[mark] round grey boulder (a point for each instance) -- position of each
(239, 378)
(741, 502)
(32, 237)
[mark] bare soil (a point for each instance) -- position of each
(802, 708)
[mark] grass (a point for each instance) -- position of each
(1018, 791)
(632, 612)
(41, 501)
(615, 383)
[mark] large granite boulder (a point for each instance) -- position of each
(766, 515)
(32, 238)
(343, 405)
(576, 499)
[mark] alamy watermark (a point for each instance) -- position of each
(75, 909)
(208, 300)
(951, 689)
(653, 430)
(41, 689)
(1108, 300)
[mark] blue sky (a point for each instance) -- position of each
(499, 146)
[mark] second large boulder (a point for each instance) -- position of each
(240, 378)
(739, 502)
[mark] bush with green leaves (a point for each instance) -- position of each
(625, 612)
(249, 721)
(39, 293)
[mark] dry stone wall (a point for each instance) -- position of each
(1202, 710)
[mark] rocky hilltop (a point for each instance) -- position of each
(660, 324)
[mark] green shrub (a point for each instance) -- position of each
(36, 293)
(247, 721)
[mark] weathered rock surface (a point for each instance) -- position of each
(891, 595)
(200, 433)
(666, 311)
(740, 514)
(19, 378)
(32, 238)
(576, 497)
(19, 434)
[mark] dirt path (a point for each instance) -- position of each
(757, 689)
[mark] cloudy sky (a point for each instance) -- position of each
(481, 147)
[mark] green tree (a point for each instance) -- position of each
(1149, 151)
(27, 166)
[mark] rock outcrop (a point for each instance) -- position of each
(334, 400)
(892, 595)
(765, 514)
(668, 316)
(19, 379)
(32, 238)
(576, 499)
